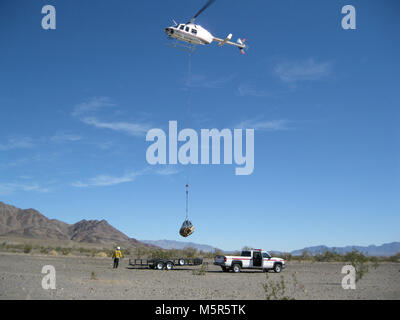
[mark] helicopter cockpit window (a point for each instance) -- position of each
(187, 29)
(182, 27)
(194, 31)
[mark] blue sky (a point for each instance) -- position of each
(76, 103)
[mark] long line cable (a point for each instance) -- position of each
(188, 110)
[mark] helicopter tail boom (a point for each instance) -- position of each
(240, 43)
(226, 40)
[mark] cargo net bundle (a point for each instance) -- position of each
(187, 229)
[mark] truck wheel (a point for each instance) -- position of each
(160, 265)
(169, 265)
(225, 269)
(277, 267)
(236, 268)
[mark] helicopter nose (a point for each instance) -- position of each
(169, 31)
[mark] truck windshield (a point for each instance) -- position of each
(266, 255)
(246, 254)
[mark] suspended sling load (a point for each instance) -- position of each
(187, 227)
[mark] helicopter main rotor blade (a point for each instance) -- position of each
(209, 3)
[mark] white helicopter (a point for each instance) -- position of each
(195, 34)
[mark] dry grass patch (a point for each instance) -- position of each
(53, 253)
(101, 255)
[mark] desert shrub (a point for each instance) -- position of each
(83, 250)
(201, 271)
(358, 261)
(175, 253)
(18, 247)
(277, 290)
(65, 251)
(44, 250)
(158, 253)
(395, 258)
(285, 256)
(189, 252)
(93, 276)
(328, 256)
(306, 256)
(27, 248)
(109, 253)
(141, 252)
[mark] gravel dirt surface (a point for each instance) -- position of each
(94, 278)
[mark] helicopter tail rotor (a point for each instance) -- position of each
(242, 46)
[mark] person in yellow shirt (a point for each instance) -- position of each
(117, 255)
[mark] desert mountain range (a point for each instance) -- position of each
(386, 249)
(29, 223)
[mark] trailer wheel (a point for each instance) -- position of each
(160, 265)
(236, 268)
(169, 265)
(182, 262)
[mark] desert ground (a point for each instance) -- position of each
(94, 278)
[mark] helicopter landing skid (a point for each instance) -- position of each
(182, 46)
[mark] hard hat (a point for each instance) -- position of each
(118, 248)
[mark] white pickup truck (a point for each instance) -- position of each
(250, 259)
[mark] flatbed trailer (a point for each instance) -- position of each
(167, 264)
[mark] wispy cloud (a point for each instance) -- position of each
(168, 171)
(10, 188)
(264, 125)
(104, 180)
(17, 143)
(87, 113)
(294, 71)
(92, 105)
(29, 143)
(247, 90)
(105, 145)
(62, 137)
(134, 129)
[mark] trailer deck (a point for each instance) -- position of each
(167, 264)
